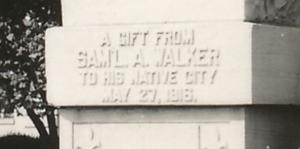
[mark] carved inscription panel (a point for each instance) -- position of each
(152, 136)
(169, 59)
(159, 64)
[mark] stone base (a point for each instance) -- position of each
(173, 64)
(253, 127)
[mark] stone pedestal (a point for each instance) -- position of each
(204, 127)
(176, 74)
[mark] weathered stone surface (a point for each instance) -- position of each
(273, 127)
(156, 127)
(184, 127)
(194, 68)
(173, 64)
(95, 12)
(281, 12)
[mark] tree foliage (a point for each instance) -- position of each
(22, 59)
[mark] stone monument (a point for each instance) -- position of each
(191, 74)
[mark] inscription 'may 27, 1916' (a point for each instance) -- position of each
(132, 64)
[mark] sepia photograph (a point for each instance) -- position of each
(149, 74)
